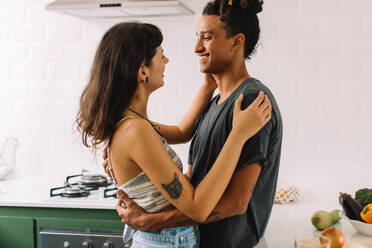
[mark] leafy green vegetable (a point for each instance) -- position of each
(364, 196)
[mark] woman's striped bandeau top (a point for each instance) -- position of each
(140, 189)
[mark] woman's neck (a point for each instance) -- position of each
(138, 104)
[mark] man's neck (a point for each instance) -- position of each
(229, 80)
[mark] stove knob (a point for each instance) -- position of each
(87, 244)
(107, 245)
(66, 244)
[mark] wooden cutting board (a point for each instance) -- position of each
(364, 243)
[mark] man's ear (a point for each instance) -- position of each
(238, 42)
(143, 73)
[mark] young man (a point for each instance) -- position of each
(227, 35)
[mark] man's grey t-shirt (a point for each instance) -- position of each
(213, 128)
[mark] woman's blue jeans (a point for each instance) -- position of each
(177, 237)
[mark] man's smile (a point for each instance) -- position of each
(203, 57)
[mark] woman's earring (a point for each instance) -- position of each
(147, 80)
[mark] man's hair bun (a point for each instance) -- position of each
(252, 6)
(247, 6)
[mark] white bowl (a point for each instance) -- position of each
(363, 228)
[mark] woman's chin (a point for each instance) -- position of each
(158, 86)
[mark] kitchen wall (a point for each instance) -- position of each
(314, 55)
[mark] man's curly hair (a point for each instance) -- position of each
(239, 16)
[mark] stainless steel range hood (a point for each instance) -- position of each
(118, 8)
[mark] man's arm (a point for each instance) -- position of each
(233, 202)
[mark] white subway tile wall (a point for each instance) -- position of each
(316, 56)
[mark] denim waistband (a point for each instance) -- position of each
(173, 231)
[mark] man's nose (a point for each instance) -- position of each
(199, 47)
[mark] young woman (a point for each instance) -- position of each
(128, 66)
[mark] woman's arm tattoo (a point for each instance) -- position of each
(174, 188)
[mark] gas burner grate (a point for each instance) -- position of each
(107, 195)
(88, 179)
(72, 190)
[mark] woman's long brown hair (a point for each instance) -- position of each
(113, 78)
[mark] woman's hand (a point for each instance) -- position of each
(249, 121)
(209, 83)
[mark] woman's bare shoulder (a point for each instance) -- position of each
(133, 130)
